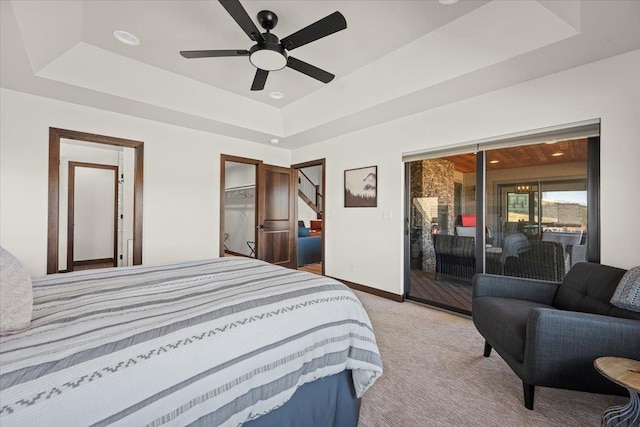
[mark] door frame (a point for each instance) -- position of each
(71, 209)
(53, 226)
(318, 162)
(593, 206)
(236, 159)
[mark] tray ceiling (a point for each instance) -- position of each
(395, 58)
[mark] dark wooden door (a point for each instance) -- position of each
(277, 216)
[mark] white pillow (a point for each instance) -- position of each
(16, 294)
(627, 294)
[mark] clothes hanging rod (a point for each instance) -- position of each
(241, 187)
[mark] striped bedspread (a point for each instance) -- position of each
(166, 345)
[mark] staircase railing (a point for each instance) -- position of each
(310, 191)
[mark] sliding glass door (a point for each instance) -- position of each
(530, 207)
(441, 206)
(536, 209)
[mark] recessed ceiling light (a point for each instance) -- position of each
(274, 140)
(494, 161)
(276, 95)
(448, 1)
(126, 38)
(551, 142)
(558, 154)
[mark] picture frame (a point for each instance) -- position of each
(361, 187)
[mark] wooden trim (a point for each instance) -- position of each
(372, 291)
(71, 201)
(236, 159)
(319, 162)
(92, 137)
(53, 216)
(138, 188)
(95, 261)
(71, 208)
(54, 189)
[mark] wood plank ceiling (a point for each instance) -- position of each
(574, 150)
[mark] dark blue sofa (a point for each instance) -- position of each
(309, 248)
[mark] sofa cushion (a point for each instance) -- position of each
(16, 294)
(627, 293)
(588, 287)
(303, 232)
(503, 322)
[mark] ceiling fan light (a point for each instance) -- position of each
(268, 60)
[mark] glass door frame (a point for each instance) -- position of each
(593, 209)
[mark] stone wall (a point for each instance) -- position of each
(432, 197)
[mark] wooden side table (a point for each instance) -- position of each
(624, 372)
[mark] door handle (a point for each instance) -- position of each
(262, 227)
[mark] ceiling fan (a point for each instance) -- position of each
(269, 53)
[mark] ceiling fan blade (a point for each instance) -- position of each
(260, 79)
(212, 53)
(319, 29)
(309, 70)
(240, 15)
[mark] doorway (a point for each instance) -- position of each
(239, 214)
(311, 229)
(265, 222)
(92, 239)
(57, 234)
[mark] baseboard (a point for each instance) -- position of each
(93, 261)
(370, 290)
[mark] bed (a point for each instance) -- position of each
(226, 341)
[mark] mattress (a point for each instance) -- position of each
(226, 340)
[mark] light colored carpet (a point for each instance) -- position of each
(435, 375)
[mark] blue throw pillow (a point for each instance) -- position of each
(303, 232)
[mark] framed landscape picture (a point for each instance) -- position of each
(361, 187)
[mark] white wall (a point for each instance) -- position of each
(363, 247)
(305, 213)
(181, 189)
(181, 177)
